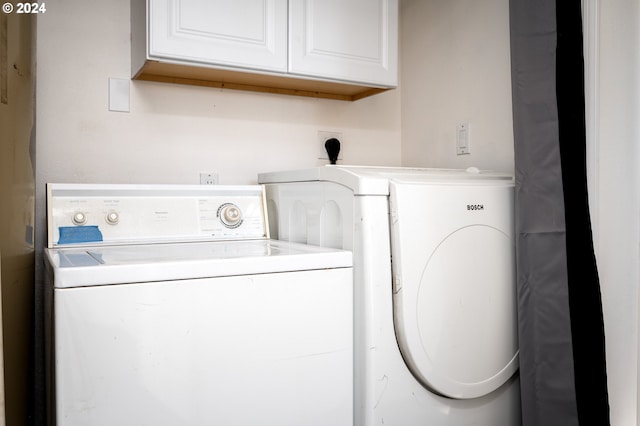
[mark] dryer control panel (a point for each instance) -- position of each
(90, 214)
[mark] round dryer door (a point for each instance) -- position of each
(454, 285)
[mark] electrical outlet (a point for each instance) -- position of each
(324, 136)
(208, 178)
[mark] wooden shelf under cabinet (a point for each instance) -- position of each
(239, 80)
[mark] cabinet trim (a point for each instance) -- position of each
(236, 80)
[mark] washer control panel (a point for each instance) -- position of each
(86, 214)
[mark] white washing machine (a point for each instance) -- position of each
(435, 302)
(169, 305)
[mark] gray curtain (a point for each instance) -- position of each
(562, 358)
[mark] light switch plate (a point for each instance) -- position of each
(463, 138)
(119, 94)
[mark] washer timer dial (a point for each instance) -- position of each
(230, 215)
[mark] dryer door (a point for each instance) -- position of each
(454, 284)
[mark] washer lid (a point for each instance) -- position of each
(454, 286)
(104, 265)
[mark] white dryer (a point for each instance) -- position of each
(434, 268)
(169, 305)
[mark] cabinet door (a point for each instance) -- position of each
(248, 34)
(350, 40)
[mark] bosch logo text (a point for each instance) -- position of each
(475, 207)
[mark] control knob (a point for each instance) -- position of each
(230, 215)
(112, 218)
(79, 218)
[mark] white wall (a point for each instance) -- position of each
(456, 68)
(618, 214)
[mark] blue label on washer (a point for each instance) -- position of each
(79, 234)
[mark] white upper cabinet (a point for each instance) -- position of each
(238, 33)
(351, 40)
(338, 49)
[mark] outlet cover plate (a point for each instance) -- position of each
(323, 136)
(208, 178)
